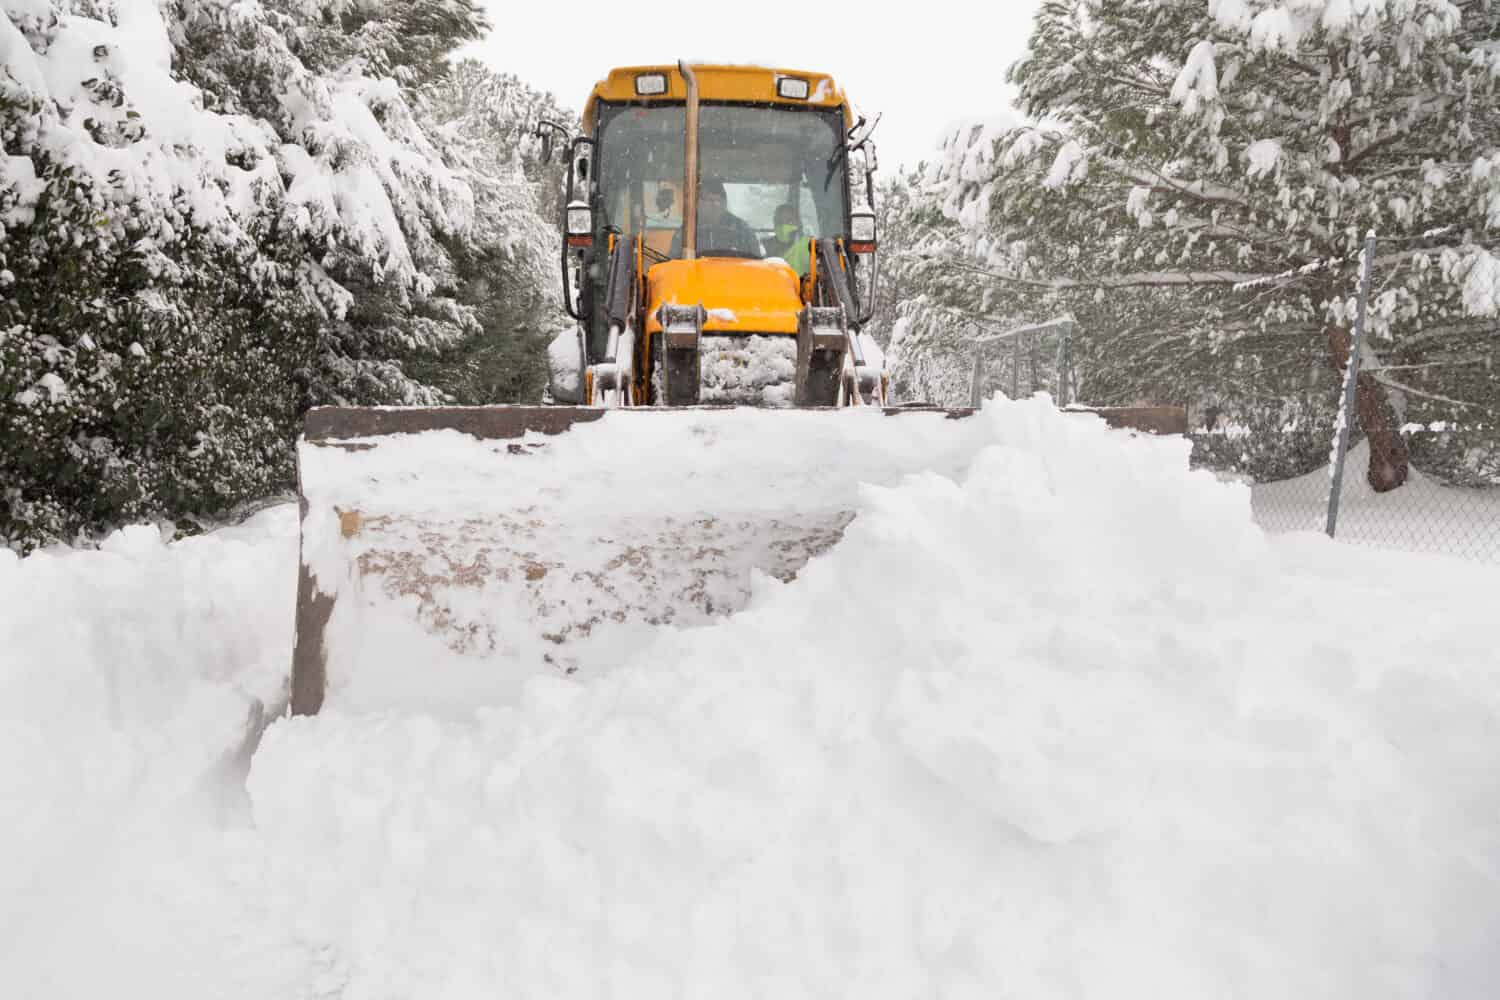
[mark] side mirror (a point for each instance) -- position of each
(548, 132)
(580, 224)
(861, 232)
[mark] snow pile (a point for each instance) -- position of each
(757, 370)
(563, 368)
(131, 680)
(125, 673)
(1059, 723)
(459, 565)
(1052, 720)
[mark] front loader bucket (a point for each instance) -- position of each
(447, 553)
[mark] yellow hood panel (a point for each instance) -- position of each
(741, 296)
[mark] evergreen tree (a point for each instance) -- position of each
(1255, 143)
(1203, 176)
(947, 277)
(214, 214)
(369, 194)
(509, 270)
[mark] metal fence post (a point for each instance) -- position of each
(976, 379)
(1064, 362)
(1351, 379)
(1031, 371)
(1015, 367)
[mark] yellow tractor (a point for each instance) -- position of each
(718, 264)
(714, 251)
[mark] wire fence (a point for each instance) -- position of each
(1456, 514)
(1402, 449)
(1410, 458)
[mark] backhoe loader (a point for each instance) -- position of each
(712, 251)
(718, 272)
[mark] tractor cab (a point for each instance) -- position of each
(758, 161)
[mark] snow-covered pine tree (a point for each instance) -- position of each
(926, 304)
(1195, 146)
(895, 219)
(213, 213)
(948, 276)
(406, 40)
(508, 271)
(369, 195)
(154, 350)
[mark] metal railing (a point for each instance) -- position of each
(1025, 343)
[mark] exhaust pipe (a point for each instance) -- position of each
(690, 166)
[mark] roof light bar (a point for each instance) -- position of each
(650, 84)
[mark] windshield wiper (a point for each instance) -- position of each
(834, 162)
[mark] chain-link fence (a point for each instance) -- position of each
(1410, 457)
(1453, 509)
(1400, 448)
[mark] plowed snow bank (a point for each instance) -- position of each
(129, 678)
(1063, 723)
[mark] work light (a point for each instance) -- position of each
(580, 225)
(793, 88)
(861, 232)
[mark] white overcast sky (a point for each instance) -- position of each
(927, 65)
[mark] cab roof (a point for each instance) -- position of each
(717, 83)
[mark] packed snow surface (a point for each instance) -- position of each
(1056, 721)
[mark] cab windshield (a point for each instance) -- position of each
(766, 158)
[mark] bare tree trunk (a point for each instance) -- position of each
(1389, 459)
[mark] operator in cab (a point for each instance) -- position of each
(718, 228)
(790, 242)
